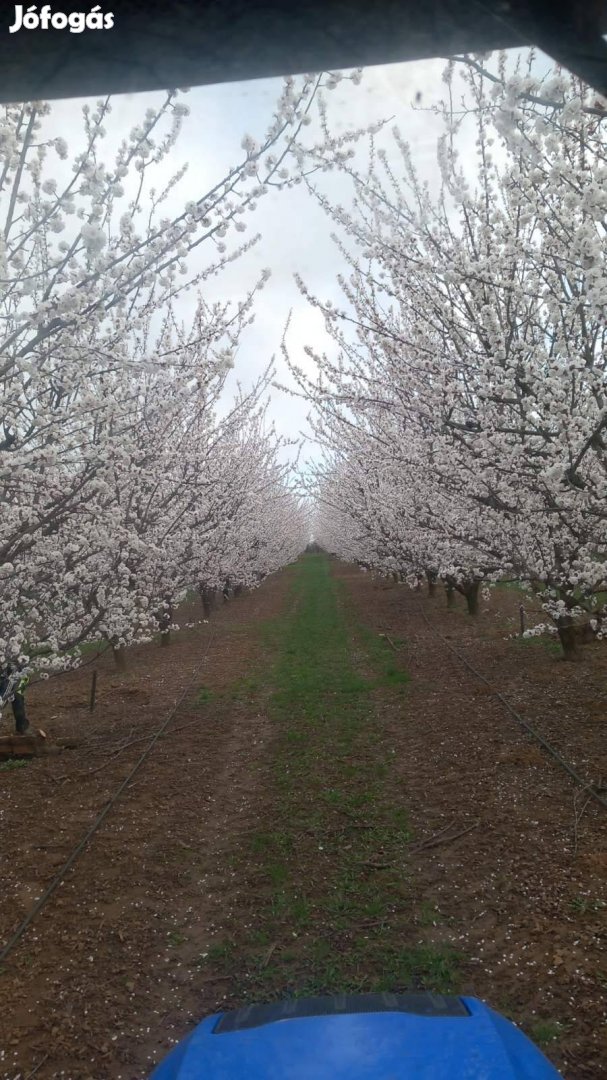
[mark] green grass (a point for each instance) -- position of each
(547, 643)
(175, 938)
(87, 648)
(333, 908)
(221, 952)
(394, 970)
(598, 598)
(544, 1032)
(582, 905)
(428, 914)
(204, 695)
(512, 586)
(14, 763)
(244, 689)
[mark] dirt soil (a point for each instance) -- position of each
(523, 894)
(92, 991)
(100, 985)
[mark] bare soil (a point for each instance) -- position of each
(107, 976)
(92, 991)
(523, 894)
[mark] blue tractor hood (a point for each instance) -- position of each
(358, 1037)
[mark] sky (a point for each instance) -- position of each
(295, 232)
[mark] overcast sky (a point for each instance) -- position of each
(295, 231)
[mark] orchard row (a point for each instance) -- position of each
(463, 410)
(126, 478)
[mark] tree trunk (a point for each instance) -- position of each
(207, 597)
(471, 594)
(586, 634)
(119, 657)
(431, 579)
(450, 593)
(165, 618)
(566, 631)
(238, 590)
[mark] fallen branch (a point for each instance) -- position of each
(436, 834)
(132, 742)
(440, 838)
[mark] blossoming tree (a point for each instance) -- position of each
(111, 449)
(472, 344)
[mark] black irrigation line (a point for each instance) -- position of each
(80, 846)
(568, 768)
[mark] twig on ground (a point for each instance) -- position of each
(101, 747)
(441, 838)
(268, 956)
(132, 742)
(422, 843)
(577, 817)
(38, 1066)
(384, 634)
(372, 924)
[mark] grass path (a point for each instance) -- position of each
(330, 903)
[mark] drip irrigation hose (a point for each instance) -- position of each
(80, 846)
(528, 728)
